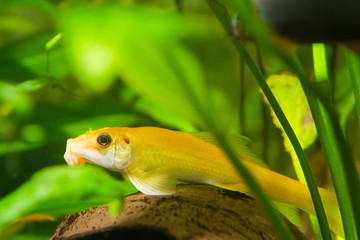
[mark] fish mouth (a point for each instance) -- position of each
(72, 158)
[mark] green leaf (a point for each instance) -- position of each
(98, 48)
(150, 52)
(336, 149)
(353, 60)
(135, 44)
(288, 92)
(248, 17)
(60, 190)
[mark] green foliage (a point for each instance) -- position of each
(66, 67)
(288, 92)
(167, 41)
(57, 191)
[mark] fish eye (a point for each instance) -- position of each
(104, 139)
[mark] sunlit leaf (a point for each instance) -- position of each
(288, 92)
(151, 53)
(130, 42)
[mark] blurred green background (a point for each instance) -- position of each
(67, 66)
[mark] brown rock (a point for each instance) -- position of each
(194, 212)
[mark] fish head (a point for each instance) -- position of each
(107, 147)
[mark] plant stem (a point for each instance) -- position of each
(221, 12)
(339, 160)
(319, 208)
(353, 61)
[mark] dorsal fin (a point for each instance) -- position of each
(239, 144)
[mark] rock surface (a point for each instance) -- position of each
(194, 212)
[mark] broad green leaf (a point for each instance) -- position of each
(288, 92)
(60, 190)
(151, 53)
(134, 44)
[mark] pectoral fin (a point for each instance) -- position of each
(290, 212)
(154, 182)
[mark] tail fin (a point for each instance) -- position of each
(304, 202)
(277, 186)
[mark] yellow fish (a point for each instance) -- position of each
(156, 159)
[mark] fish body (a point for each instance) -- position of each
(156, 159)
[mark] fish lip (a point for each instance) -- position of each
(72, 158)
